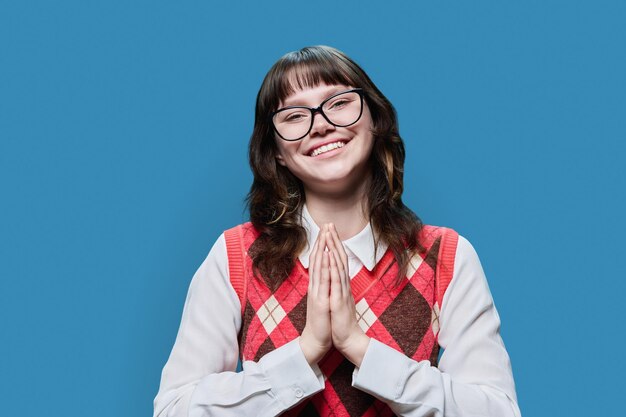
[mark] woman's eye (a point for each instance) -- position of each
(338, 104)
(294, 117)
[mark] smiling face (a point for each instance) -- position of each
(328, 159)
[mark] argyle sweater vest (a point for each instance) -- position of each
(405, 317)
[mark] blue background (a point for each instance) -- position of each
(123, 134)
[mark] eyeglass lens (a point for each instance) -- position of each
(341, 110)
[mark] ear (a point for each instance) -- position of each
(280, 159)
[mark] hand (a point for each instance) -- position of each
(316, 340)
(347, 335)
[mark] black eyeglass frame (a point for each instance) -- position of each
(318, 109)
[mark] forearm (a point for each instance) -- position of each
(412, 388)
(280, 380)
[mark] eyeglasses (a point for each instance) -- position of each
(342, 109)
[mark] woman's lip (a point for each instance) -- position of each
(331, 153)
(310, 151)
(328, 154)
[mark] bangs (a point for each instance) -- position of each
(311, 74)
(307, 68)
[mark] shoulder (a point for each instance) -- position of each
(465, 255)
(469, 281)
(239, 228)
(449, 243)
(466, 251)
(212, 274)
(227, 246)
(453, 251)
(440, 238)
(429, 231)
(244, 233)
(439, 245)
(216, 259)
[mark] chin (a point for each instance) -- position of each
(337, 183)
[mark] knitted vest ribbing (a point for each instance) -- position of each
(405, 317)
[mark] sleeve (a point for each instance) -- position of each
(474, 377)
(199, 378)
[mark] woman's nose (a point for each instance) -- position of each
(320, 125)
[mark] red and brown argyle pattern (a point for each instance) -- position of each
(404, 317)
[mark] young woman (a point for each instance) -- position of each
(335, 297)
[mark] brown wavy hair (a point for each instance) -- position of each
(276, 196)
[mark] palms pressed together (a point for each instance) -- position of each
(331, 312)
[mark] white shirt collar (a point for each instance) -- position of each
(360, 246)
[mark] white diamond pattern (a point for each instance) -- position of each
(364, 315)
(414, 263)
(270, 314)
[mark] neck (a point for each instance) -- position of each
(347, 211)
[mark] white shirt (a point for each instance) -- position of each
(474, 376)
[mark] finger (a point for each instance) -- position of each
(312, 262)
(340, 250)
(314, 250)
(342, 260)
(335, 278)
(336, 263)
(324, 289)
(318, 267)
(314, 265)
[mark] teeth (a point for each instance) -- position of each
(326, 148)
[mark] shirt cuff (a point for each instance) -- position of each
(291, 377)
(379, 375)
